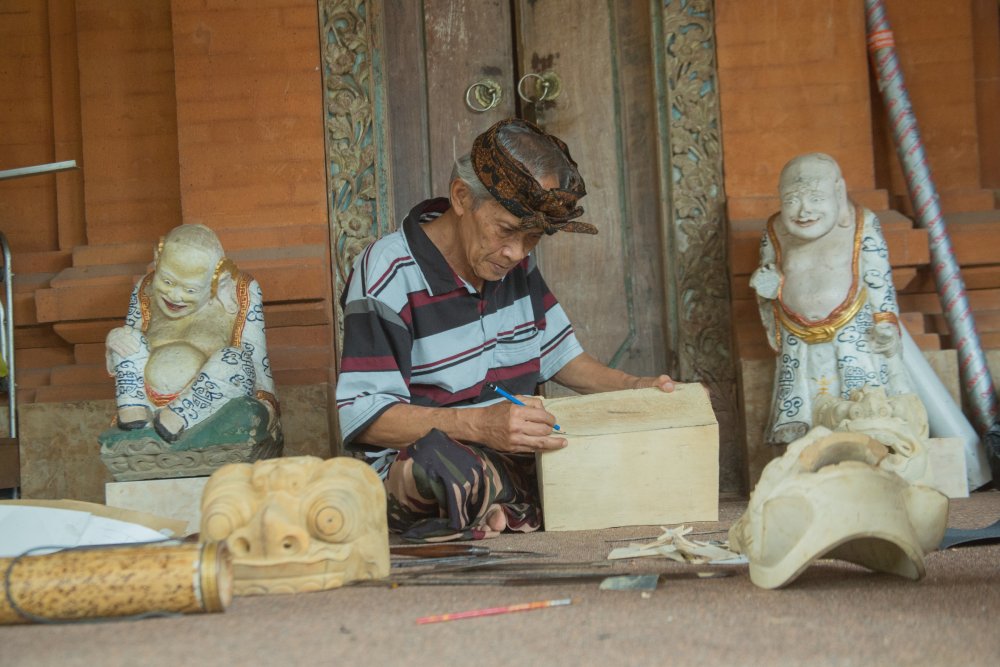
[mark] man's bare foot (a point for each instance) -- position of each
(496, 519)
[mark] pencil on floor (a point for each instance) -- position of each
(493, 611)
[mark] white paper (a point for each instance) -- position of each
(24, 528)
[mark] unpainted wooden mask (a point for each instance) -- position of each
(299, 523)
(828, 496)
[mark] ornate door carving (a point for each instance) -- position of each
(637, 106)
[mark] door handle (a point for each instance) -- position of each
(547, 87)
(483, 95)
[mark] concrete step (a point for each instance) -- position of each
(71, 393)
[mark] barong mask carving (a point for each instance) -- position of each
(298, 524)
(835, 495)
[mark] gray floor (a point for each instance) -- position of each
(835, 614)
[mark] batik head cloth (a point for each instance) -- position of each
(519, 192)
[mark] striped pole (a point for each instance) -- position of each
(975, 374)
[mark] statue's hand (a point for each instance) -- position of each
(765, 281)
(123, 341)
(886, 339)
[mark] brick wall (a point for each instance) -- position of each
(177, 111)
(794, 78)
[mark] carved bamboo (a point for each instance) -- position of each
(116, 581)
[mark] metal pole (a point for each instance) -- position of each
(8, 279)
(37, 169)
(976, 379)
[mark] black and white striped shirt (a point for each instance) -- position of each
(416, 332)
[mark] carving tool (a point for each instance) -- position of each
(438, 550)
(513, 399)
(490, 577)
(453, 554)
(493, 611)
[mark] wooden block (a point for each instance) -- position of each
(635, 457)
(947, 459)
(178, 499)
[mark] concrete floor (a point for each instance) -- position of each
(834, 614)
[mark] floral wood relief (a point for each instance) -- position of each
(346, 36)
(697, 262)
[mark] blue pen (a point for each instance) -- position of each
(513, 399)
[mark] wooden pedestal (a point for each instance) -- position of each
(635, 457)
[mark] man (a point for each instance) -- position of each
(450, 303)
(826, 297)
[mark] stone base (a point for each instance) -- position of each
(170, 498)
(237, 433)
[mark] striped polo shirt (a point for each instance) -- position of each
(416, 332)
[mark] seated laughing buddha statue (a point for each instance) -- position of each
(193, 341)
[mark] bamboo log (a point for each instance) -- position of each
(150, 579)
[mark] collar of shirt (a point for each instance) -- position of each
(440, 277)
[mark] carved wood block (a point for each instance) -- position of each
(635, 457)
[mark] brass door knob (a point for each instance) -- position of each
(546, 87)
(483, 95)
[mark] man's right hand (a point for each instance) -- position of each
(519, 429)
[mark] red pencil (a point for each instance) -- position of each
(492, 611)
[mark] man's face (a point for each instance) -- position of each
(493, 241)
(810, 203)
(182, 283)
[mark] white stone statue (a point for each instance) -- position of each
(826, 298)
(193, 339)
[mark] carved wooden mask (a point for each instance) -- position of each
(298, 524)
(830, 497)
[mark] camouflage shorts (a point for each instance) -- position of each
(440, 489)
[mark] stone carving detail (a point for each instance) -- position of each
(239, 434)
(347, 46)
(298, 524)
(696, 256)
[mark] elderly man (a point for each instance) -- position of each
(452, 303)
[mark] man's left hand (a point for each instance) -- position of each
(661, 382)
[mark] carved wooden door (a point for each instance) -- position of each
(409, 84)
(462, 65)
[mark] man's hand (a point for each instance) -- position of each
(518, 429)
(661, 382)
